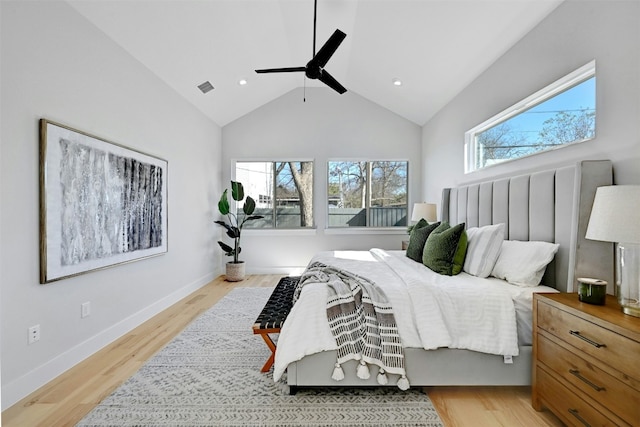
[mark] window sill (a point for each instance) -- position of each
(328, 231)
(280, 232)
(366, 230)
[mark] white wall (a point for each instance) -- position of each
(327, 126)
(572, 35)
(56, 65)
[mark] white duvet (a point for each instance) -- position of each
(431, 310)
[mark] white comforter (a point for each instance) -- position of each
(431, 310)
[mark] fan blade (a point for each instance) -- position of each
(328, 79)
(328, 49)
(281, 70)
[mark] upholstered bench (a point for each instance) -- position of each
(274, 314)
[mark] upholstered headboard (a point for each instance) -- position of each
(552, 206)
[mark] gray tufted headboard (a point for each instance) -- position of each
(552, 206)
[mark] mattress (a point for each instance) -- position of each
(479, 312)
(522, 300)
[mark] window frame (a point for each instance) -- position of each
(363, 229)
(561, 85)
(298, 231)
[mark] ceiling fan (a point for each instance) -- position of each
(315, 67)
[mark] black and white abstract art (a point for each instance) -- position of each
(101, 204)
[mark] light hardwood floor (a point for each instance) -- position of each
(65, 400)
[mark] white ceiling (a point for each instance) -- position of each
(435, 47)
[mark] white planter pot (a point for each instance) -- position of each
(235, 272)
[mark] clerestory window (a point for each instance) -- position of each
(561, 114)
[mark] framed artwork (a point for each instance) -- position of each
(101, 204)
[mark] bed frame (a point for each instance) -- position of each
(550, 205)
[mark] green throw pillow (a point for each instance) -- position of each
(422, 223)
(418, 238)
(441, 248)
(461, 253)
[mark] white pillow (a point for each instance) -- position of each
(483, 248)
(524, 263)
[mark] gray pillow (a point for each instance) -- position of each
(483, 249)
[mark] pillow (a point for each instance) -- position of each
(461, 253)
(422, 223)
(523, 263)
(442, 247)
(483, 249)
(418, 237)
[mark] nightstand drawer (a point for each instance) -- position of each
(590, 379)
(568, 406)
(601, 343)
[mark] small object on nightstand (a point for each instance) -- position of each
(592, 291)
(405, 245)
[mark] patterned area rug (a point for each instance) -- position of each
(209, 375)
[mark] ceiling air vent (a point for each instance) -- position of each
(205, 87)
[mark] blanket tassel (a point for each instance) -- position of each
(363, 371)
(338, 373)
(403, 383)
(382, 377)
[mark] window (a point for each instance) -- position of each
(283, 191)
(562, 113)
(367, 193)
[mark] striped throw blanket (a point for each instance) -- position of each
(362, 322)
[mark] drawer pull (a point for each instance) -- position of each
(575, 413)
(583, 338)
(576, 373)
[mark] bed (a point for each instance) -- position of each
(545, 206)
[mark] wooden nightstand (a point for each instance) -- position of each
(586, 361)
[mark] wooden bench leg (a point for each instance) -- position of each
(272, 346)
(273, 315)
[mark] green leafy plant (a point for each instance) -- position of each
(235, 222)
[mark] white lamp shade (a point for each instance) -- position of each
(424, 210)
(615, 215)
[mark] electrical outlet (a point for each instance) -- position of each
(85, 309)
(34, 334)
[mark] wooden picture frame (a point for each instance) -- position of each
(101, 204)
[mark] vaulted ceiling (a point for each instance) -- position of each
(434, 47)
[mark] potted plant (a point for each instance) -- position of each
(234, 224)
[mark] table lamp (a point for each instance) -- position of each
(424, 210)
(615, 217)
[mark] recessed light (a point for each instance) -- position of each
(242, 82)
(397, 82)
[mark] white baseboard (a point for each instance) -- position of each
(33, 380)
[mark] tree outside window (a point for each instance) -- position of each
(283, 191)
(367, 193)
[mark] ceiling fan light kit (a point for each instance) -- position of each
(315, 67)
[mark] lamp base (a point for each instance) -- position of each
(631, 311)
(628, 278)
